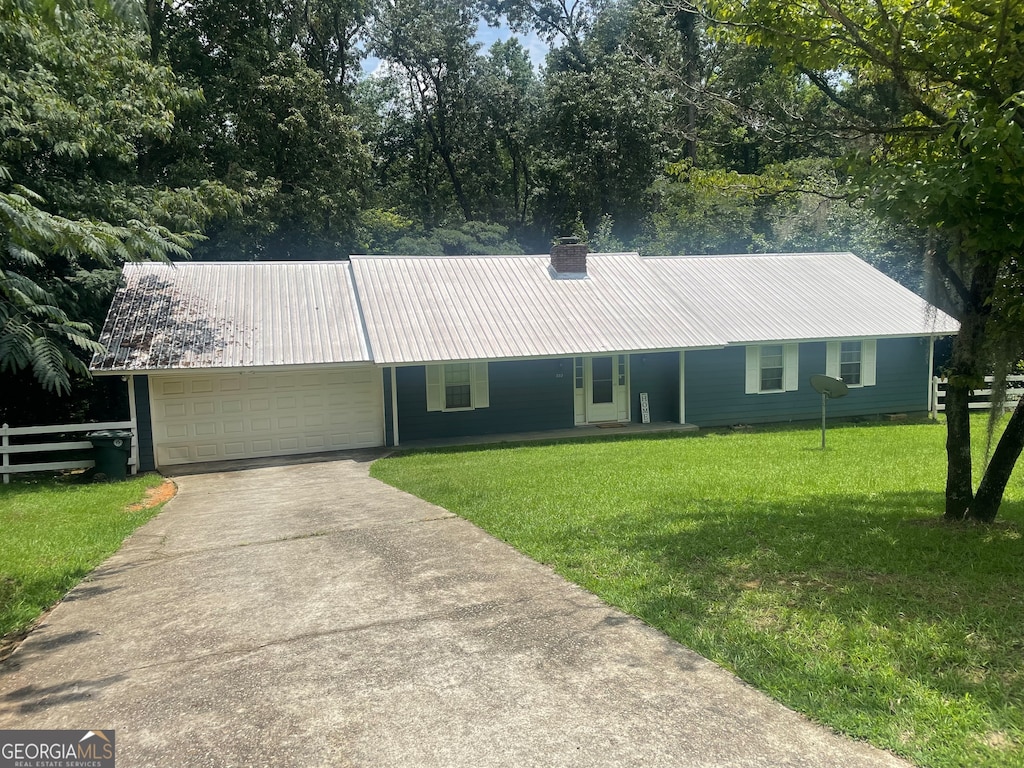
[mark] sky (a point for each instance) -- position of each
(487, 36)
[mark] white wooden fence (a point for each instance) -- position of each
(980, 398)
(7, 449)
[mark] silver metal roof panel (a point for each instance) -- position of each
(780, 297)
(232, 315)
(423, 309)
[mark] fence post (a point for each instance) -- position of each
(935, 398)
(6, 441)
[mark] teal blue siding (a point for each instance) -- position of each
(715, 383)
(144, 423)
(525, 395)
(657, 374)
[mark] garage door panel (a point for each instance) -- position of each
(208, 452)
(230, 416)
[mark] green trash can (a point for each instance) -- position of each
(110, 450)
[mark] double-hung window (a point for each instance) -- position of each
(457, 387)
(772, 368)
(852, 361)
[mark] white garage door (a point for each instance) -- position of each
(209, 417)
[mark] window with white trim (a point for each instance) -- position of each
(772, 368)
(853, 361)
(849, 362)
(457, 387)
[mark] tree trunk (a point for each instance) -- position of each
(959, 485)
(966, 371)
(997, 474)
(686, 21)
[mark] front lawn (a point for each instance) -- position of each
(822, 578)
(52, 533)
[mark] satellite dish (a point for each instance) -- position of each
(829, 389)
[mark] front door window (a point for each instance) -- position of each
(603, 382)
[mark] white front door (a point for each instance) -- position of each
(602, 389)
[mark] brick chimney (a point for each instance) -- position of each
(569, 257)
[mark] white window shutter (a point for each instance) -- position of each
(435, 387)
(753, 370)
(832, 358)
(868, 356)
(480, 387)
(791, 370)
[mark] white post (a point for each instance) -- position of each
(682, 386)
(394, 405)
(7, 459)
(932, 387)
(935, 397)
(134, 418)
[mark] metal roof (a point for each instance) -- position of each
(412, 309)
(421, 309)
(796, 296)
(232, 315)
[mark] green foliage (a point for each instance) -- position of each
(79, 100)
(273, 127)
(939, 84)
(604, 126)
(821, 577)
(929, 96)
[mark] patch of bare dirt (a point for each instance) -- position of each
(163, 492)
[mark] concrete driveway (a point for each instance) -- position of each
(306, 615)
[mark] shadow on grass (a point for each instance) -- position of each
(848, 607)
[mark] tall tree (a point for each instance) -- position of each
(930, 94)
(604, 130)
(431, 43)
(80, 103)
(271, 127)
(509, 93)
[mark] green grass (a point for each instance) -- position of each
(823, 578)
(53, 533)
